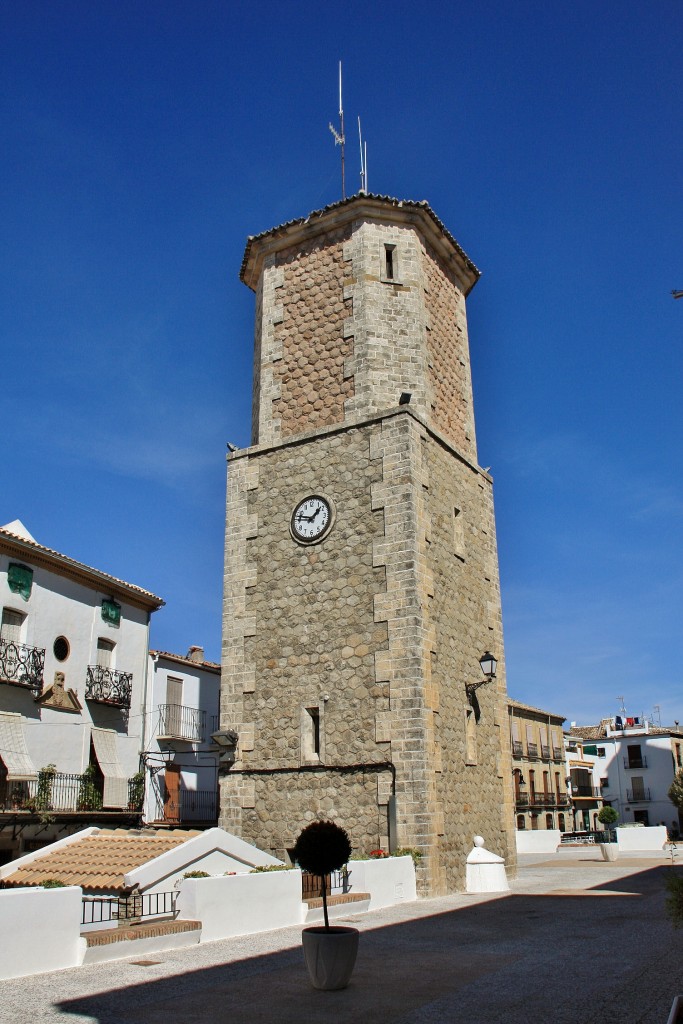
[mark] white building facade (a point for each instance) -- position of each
(74, 646)
(180, 756)
(634, 766)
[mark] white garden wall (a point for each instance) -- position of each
(389, 880)
(651, 837)
(541, 841)
(242, 904)
(41, 929)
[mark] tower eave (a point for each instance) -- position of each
(375, 207)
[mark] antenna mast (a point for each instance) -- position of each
(339, 139)
(363, 161)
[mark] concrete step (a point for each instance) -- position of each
(139, 939)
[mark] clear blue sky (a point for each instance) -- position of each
(143, 141)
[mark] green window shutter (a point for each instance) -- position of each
(20, 580)
(111, 612)
(591, 749)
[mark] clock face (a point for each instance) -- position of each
(311, 519)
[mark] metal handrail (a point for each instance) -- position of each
(22, 665)
(101, 909)
(108, 686)
(177, 721)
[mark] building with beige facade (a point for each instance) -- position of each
(539, 775)
(361, 571)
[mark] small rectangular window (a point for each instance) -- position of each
(389, 270)
(310, 734)
(458, 534)
(314, 714)
(105, 652)
(389, 251)
(10, 629)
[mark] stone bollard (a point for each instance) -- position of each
(485, 870)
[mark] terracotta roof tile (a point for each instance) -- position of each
(214, 665)
(360, 197)
(70, 563)
(536, 711)
(99, 861)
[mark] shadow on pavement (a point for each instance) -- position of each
(513, 959)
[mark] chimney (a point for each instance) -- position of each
(196, 654)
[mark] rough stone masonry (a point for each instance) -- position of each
(346, 657)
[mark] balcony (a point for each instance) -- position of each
(586, 792)
(558, 754)
(522, 799)
(545, 752)
(107, 686)
(638, 796)
(21, 665)
(544, 799)
(562, 799)
(532, 750)
(635, 762)
(188, 805)
(517, 750)
(177, 722)
(60, 793)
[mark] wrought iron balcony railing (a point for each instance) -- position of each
(558, 754)
(635, 762)
(108, 686)
(22, 665)
(638, 796)
(584, 792)
(545, 752)
(60, 793)
(562, 799)
(177, 722)
(517, 750)
(544, 799)
(522, 799)
(532, 749)
(188, 805)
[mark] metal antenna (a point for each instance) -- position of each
(339, 139)
(363, 161)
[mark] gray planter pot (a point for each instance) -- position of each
(330, 955)
(676, 1015)
(610, 851)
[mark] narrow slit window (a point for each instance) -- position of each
(314, 714)
(458, 534)
(389, 262)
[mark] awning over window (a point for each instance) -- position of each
(115, 779)
(13, 751)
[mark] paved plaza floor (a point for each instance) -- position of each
(576, 940)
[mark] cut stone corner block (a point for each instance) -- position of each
(485, 870)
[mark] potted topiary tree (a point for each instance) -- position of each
(608, 817)
(329, 952)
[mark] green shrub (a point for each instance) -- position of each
(89, 796)
(674, 901)
(409, 851)
(270, 867)
(196, 874)
(46, 778)
(53, 883)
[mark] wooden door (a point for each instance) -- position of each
(172, 793)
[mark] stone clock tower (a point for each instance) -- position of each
(361, 579)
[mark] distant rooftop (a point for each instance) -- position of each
(16, 536)
(195, 656)
(536, 711)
